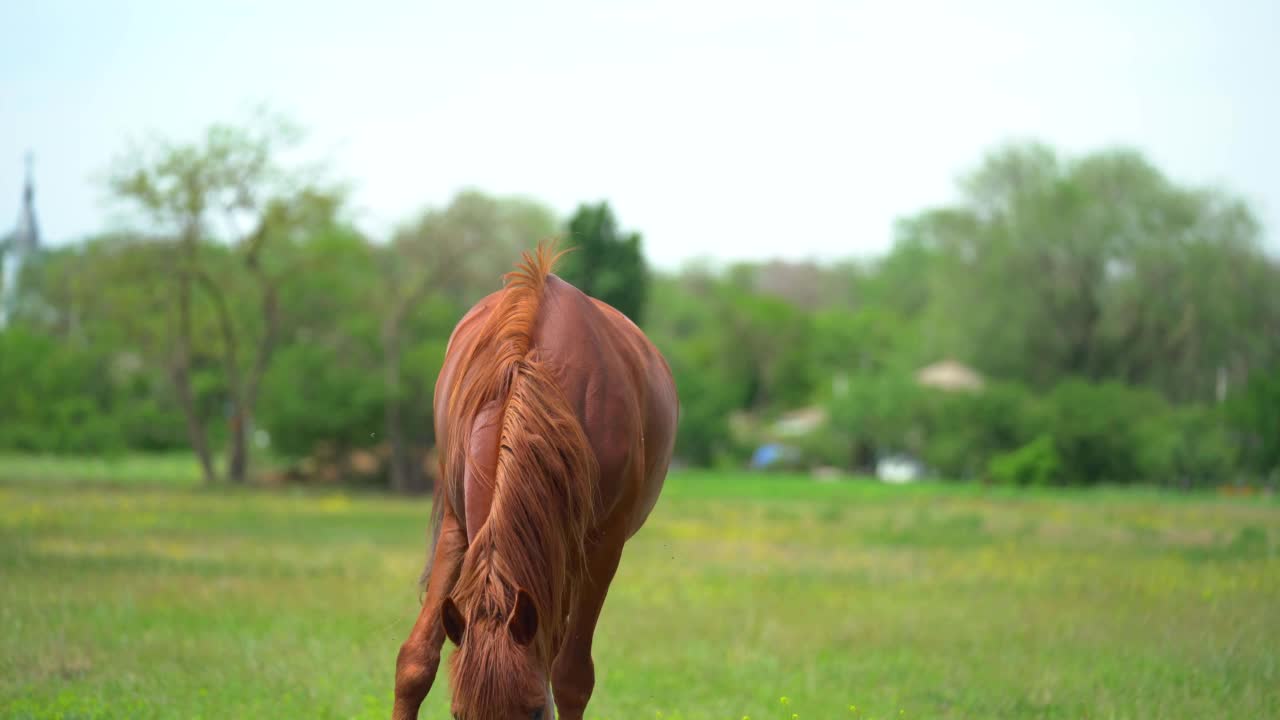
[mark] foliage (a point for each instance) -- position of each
(1254, 415)
(606, 263)
(767, 343)
(703, 435)
(144, 414)
(1108, 308)
(1079, 433)
(1190, 446)
(461, 251)
(1098, 268)
(877, 415)
(1100, 431)
(67, 397)
(52, 400)
(309, 400)
(1035, 464)
(964, 429)
(230, 186)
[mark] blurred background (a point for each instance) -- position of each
(962, 247)
(990, 242)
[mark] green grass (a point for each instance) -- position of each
(151, 600)
(176, 469)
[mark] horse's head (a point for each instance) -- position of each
(496, 672)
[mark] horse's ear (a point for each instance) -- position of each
(524, 619)
(452, 620)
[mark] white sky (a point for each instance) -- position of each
(721, 129)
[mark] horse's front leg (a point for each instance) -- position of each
(420, 654)
(573, 676)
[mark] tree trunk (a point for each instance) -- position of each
(195, 426)
(244, 390)
(242, 418)
(238, 446)
(407, 477)
(242, 409)
(180, 373)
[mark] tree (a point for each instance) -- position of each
(95, 297)
(875, 416)
(231, 186)
(606, 263)
(1254, 414)
(323, 390)
(1102, 431)
(767, 340)
(1096, 267)
(53, 400)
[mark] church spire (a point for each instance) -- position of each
(27, 235)
(20, 247)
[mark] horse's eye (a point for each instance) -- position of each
(536, 714)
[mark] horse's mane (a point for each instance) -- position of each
(544, 480)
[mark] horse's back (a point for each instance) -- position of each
(615, 380)
(623, 392)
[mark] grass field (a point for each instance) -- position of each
(743, 597)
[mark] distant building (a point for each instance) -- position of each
(799, 423)
(18, 249)
(951, 376)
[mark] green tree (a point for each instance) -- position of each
(1096, 267)
(114, 294)
(964, 430)
(606, 263)
(231, 187)
(1190, 446)
(53, 400)
(87, 298)
(1103, 431)
(767, 342)
(685, 325)
(1254, 415)
(323, 389)
(874, 415)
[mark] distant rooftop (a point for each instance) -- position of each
(950, 375)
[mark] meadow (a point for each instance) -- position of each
(123, 595)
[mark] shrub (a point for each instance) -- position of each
(965, 430)
(954, 433)
(1035, 464)
(1101, 431)
(1189, 447)
(1253, 415)
(55, 398)
(311, 398)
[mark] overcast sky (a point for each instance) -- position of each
(726, 129)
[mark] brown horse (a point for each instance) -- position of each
(555, 418)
